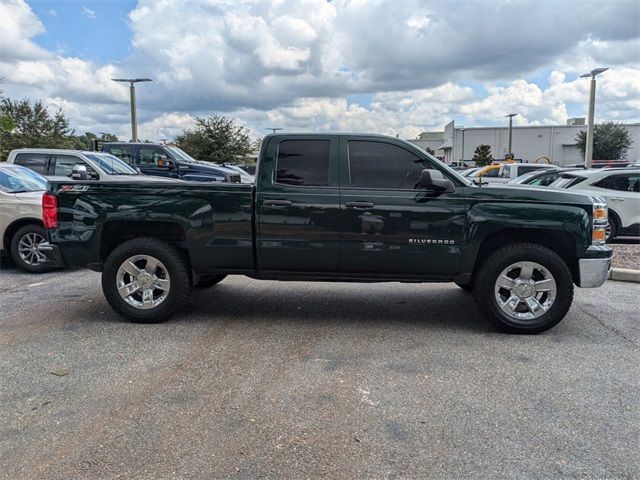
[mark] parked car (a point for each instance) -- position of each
(168, 161)
(620, 187)
(336, 207)
(540, 177)
(21, 229)
(65, 165)
(509, 171)
(62, 162)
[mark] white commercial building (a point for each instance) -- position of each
(556, 142)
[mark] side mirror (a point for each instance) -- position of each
(432, 179)
(79, 172)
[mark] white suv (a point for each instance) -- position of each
(619, 186)
(21, 229)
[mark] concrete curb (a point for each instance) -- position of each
(624, 275)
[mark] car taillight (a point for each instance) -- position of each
(49, 210)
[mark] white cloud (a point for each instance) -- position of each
(87, 12)
(296, 64)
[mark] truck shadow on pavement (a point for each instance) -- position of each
(444, 306)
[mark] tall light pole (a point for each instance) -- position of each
(588, 151)
(462, 153)
(511, 115)
(132, 93)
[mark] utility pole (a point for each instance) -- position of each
(588, 151)
(273, 130)
(511, 115)
(132, 94)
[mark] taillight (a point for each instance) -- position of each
(49, 210)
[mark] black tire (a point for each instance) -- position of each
(488, 274)
(207, 281)
(26, 233)
(177, 272)
(467, 287)
(613, 227)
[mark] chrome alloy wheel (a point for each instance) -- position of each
(143, 281)
(525, 290)
(29, 248)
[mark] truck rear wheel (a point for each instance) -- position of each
(524, 288)
(146, 280)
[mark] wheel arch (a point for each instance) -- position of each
(16, 225)
(561, 242)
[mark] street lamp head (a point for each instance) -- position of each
(131, 80)
(511, 115)
(594, 72)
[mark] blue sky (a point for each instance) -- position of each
(95, 31)
(312, 65)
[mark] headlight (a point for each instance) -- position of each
(600, 221)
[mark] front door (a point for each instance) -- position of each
(297, 206)
(152, 161)
(390, 226)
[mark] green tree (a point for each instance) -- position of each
(33, 126)
(482, 155)
(85, 142)
(216, 139)
(6, 124)
(611, 141)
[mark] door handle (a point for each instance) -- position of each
(359, 205)
(277, 203)
(617, 199)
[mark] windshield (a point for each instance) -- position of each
(110, 164)
(19, 179)
(181, 154)
(565, 181)
(525, 177)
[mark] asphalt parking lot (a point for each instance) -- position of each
(301, 380)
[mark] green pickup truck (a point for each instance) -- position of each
(334, 207)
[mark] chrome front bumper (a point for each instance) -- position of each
(593, 271)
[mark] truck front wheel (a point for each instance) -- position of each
(146, 280)
(524, 288)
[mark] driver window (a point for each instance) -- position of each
(383, 166)
(151, 155)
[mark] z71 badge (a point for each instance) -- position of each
(74, 188)
(431, 241)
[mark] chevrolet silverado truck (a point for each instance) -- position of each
(363, 208)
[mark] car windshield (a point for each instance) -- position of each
(564, 181)
(110, 164)
(181, 154)
(19, 179)
(526, 177)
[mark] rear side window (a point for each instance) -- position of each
(524, 170)
(38, 162)
(382, 165)
(122, 152)
(621, 183)
(303, 162)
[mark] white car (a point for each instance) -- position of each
(621, 189)
(21, 229)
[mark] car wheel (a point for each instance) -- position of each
(207, 281)
(25, 248)
(612, 228)
(524, 288)
(146, 280)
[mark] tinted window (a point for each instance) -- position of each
(381, 165)
(621, 183)
(528, 169)
(122, 152)
(150, 155)
(63, 165)
(38, 162)
(303, 162)
(545, 180)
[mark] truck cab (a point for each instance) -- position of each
(169, 161)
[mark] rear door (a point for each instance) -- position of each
(297, 205)
(622, 192)
(390, 226)
(38, 162)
